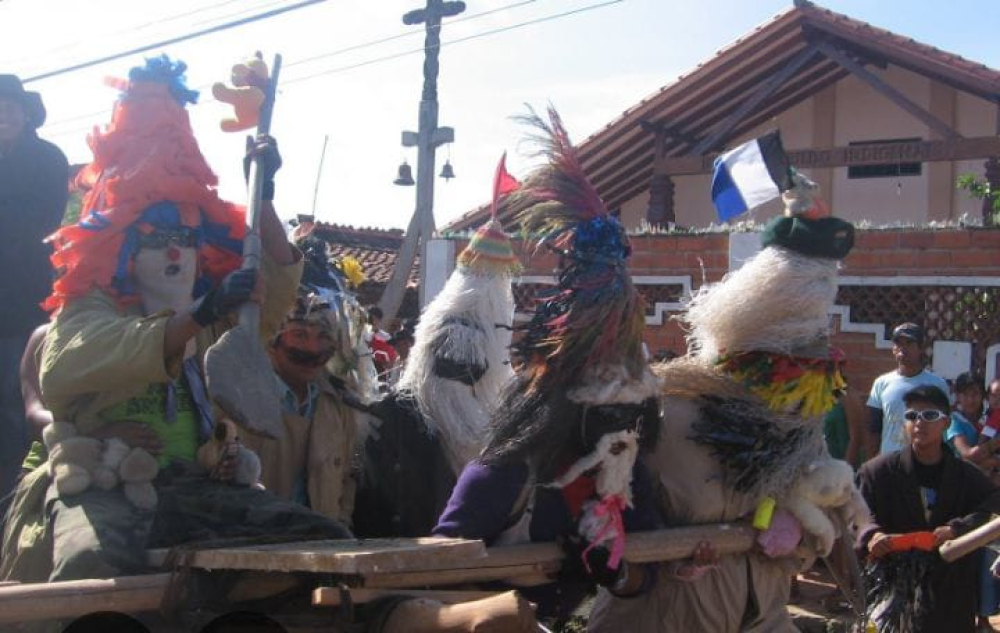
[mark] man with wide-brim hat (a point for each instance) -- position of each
(33, 179)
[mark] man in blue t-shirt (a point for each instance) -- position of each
(885, 403)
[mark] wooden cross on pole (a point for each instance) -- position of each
(428, 137)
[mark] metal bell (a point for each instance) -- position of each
(405, 177)
(447, 172)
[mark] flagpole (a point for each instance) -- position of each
(319, 173)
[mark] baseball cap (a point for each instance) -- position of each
(911, 331)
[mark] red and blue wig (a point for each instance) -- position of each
(147, 173)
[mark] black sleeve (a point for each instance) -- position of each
(866, 481)
(983, 496)
(875, 416)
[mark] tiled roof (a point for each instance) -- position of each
(375, 249)
(619, 158)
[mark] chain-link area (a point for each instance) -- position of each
(947, 313)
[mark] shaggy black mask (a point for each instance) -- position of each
(548, 429)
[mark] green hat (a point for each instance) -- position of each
(829, 237)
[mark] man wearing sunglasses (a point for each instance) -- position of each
(885, 402)
(924, 487)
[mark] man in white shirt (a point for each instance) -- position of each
(885, 403)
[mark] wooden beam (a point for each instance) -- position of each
(874, 154)
(685, 93)
(331, 596)
(58, 600)
(904, 56)
(956, 548)
(509, 573)
(888, 91)
(535, 560)
(766, 90)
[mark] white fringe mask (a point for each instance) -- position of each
(457, 412)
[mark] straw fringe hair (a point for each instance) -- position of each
(778, 301)
(458, 412)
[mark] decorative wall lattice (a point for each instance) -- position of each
(947, 313)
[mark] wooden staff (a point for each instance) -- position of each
(956, 548)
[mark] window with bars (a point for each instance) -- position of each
(890, 170)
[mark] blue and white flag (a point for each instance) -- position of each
(750, 175)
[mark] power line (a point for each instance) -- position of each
(174, 40)
(130, 29)
(378, 60)
(414, 51)
(341, 51)
(409, 33)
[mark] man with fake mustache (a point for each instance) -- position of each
(311, 463)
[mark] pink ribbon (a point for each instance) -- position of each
(610, 507)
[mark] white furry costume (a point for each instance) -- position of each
(728, 441)
(466, 325)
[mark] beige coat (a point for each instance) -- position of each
(322, 448)
(688, 484)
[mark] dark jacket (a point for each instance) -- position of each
(33, 191)
(405, 479)
(964, 501)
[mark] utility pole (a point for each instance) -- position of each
(427, 139)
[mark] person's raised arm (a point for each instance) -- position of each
(272, 232)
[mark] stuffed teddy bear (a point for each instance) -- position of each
(77, 462)
(826, 483)
(225, 442)
(246, 96)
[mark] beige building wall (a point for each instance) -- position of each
(851, 111)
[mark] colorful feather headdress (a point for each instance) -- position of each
(147, 174)
(586, 333)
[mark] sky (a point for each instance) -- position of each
(592, 59)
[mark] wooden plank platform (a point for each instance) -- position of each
(347, 557)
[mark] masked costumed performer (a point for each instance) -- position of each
(148, 277)
(435, 420)
(742, 429)
(560, 460)
(311, 463)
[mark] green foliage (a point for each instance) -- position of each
(980, 189)
(73, 204)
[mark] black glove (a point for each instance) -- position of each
(270, 162)
(234, 290)
(574, 568)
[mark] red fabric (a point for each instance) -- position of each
(993, 421)
(578, 492)
(384, 355)
(924, 541)
(503, 183)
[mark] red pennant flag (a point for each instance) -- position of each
(503, 183)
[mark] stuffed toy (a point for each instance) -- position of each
(77, 462)
(225, 442)
(246, 95)
(826, 484)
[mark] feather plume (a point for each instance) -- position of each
(557, 196)
(594, 316)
